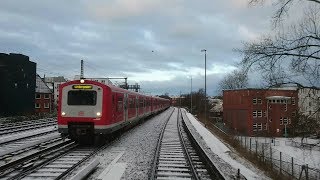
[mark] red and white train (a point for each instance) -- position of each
(89, 108)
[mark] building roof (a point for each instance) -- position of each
(54, 79)
(278, 97)
(41, 86)
(264, 89)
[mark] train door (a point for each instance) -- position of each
(119, 115)
(125, 109)
(137, 106)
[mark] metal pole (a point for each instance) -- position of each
(81, 71)
(191, 96)
(180, 99)
(205, 86)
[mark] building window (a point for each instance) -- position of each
(285, 121)
(260, 127)
(265, 126)
(46, 96)
(254, 113)
(281, 121)
(255, 125)
(285, 107)
(254, 100)
(293, 101)
(38, 96)
(259, 101)
(264, 113)
(260, 113)
(103, 81)
(289, 121)
(46, 105)
(37, 106)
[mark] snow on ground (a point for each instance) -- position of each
(225, 153)
(292, 147)
(134, 150)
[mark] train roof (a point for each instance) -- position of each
(112, 87)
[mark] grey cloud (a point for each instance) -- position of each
(116, 38)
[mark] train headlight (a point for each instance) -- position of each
(98, 114)
(63, 113)
(82, 81)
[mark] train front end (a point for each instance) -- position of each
(81, 109)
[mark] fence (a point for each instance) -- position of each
(277, 160)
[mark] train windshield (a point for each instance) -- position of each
(88, 98)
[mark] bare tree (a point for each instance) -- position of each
(290, 56)
(283, 7)
(235, 80)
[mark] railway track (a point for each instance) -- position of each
(53, 162)
(18, 148)
(11, 128)
(176, 158)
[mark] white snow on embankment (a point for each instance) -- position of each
(296, 148)
(221, 150)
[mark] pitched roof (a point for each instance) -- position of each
(41, 87)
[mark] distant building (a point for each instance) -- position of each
(260, 112)
(18, 82)
(309, 102)
(54, 83)
(43, 97)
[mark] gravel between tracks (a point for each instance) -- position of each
(138, 145)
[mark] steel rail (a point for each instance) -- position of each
(183, 143)
(17, 162)
(213, 171)
(156, 156)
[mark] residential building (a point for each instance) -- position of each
(43, 97)
(18, 82)
(259, 112)
(54, 83)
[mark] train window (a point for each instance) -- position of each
(131, 103)
(120, 104)
(141, 103)
(88, 98)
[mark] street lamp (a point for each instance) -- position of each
(191, 96)
(205, 86)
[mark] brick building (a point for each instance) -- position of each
(259, 112)
(43, 97)
(18, 81)
(54, 83)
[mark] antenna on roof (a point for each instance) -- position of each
(81, 72)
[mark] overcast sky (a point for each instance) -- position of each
(156, 43)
